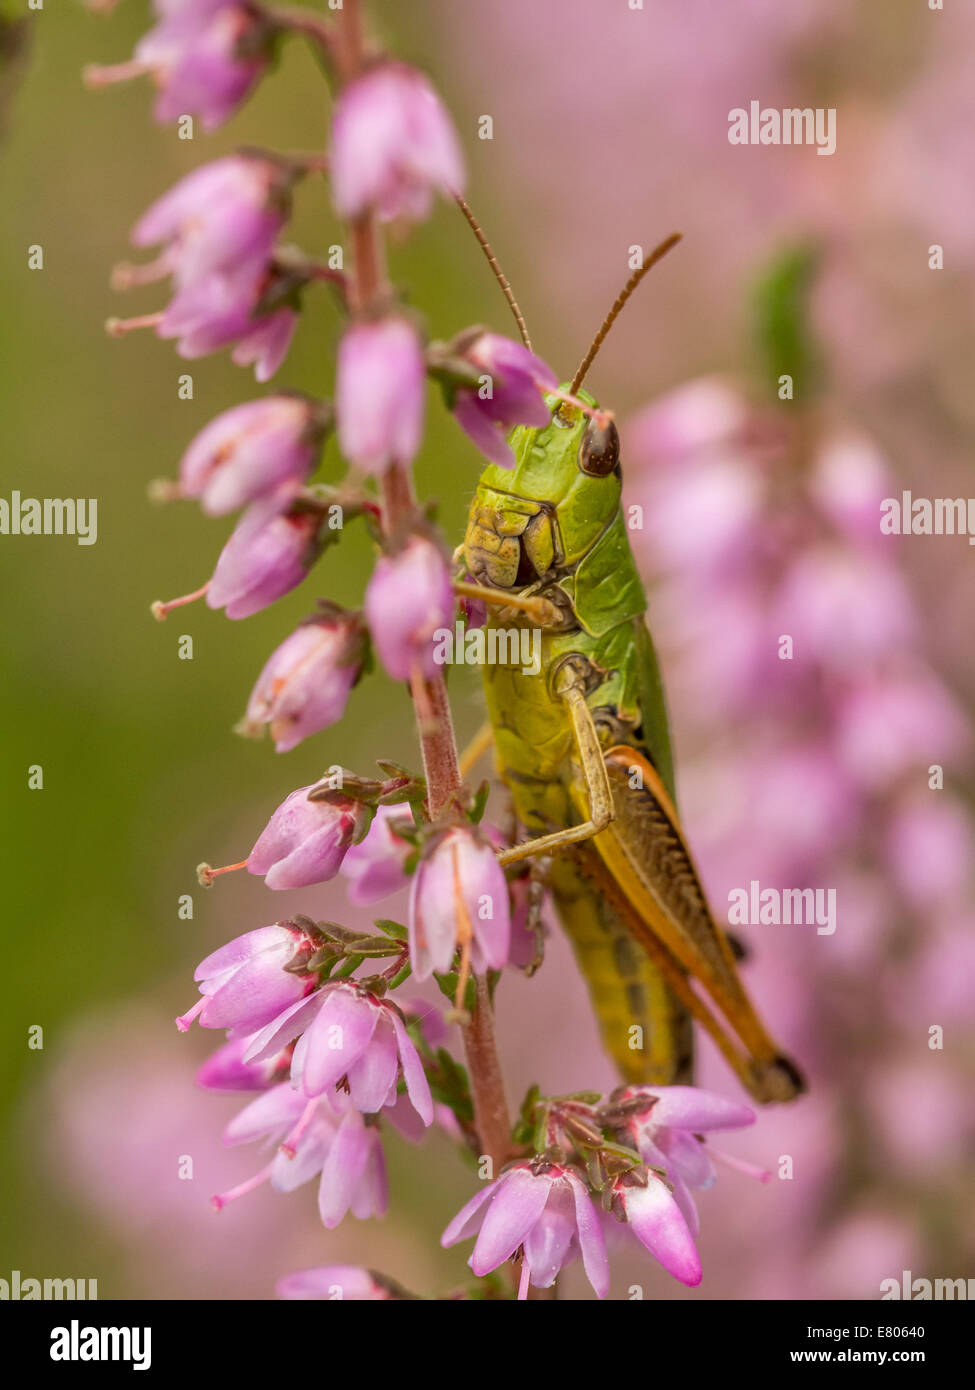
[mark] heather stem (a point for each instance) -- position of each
(440, 762)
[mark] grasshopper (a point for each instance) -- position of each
(584, 747)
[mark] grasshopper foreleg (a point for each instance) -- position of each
(540, 611)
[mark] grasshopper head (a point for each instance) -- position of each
(542, 516)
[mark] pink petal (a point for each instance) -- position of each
(328, 1055)
(466, 1222)
(688, 1107)
(373, 1076)
(658, 1224)
(592, 1242)
(283, 1029)
(417, 1086)
(343, 1170)
(515, 1207)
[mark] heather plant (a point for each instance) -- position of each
(321, 1022)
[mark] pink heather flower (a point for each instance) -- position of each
(268, 555)
(222, 218)
(203, 55)
(305, 841)
(374, 867)
(345, 1283)
(380, 393)
(221, 310)
(668, 1135)
(219, 226)
(226, 1069)
(306, 682)
(658, 1223)
(510, 394)
(543, 1207)
(345, 1031)
(251, 451)
(459, 897)
(393, 146)
(409, 598)
(246, 983)
(326, 1135)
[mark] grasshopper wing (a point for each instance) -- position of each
(650, 880)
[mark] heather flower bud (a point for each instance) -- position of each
(546, 1209)
(459, 897)
(268, 555)
(305, 685)
(409, 597)
(512, 382)
(380, 393)
(253, 978)
(305, 841)
(249, 452)
(393, 146)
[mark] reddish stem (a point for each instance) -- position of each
(367, 285)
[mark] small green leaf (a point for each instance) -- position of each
(391, 928)
(479, 804)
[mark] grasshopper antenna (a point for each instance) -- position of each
(499, 274)
(656, 255)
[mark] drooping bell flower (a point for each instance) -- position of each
(219, 219)
(305, 841)
(250, 451)
(459, 898)
(345, 1032)
(667, 1126)
(253, 978)
(380, 389)
(306, 682)
(510, 392)
(204, 56)
(267, 556)
(644, 1200)
(543, 1207)
(326, 1135)
(393, 146)
(408, 599)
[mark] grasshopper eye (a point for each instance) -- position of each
(599, 452)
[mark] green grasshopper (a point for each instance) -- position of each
(584, 747)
